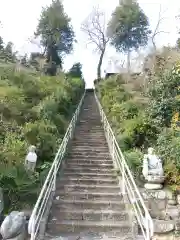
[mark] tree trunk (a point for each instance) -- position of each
(128, 65)
(100, 64)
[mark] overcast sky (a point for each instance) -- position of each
(19, 20)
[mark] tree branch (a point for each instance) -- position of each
(156, 31)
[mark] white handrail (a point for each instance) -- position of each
(128, 184)
(50, 182)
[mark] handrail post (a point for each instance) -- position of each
(108, 131)
(55, 172)
(113, 146)
(123, 178)
(147, 226)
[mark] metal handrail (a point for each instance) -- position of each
(50, 183)
(129, 186)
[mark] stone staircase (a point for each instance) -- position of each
(88, 199)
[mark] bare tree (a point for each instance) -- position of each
(95, 28)
(157, 30)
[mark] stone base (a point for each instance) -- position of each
(21, 236)
(153, 186)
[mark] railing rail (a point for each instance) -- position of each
(50, 182)
(129, 186)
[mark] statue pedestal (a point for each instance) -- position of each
(153, 186)
(154, 182)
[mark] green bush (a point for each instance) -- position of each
(138, 126)
(34, 110)
(133, 129)
(134, 159)
(44, 135)
(168, 147)
(163, 102)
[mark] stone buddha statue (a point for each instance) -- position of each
(153, 170)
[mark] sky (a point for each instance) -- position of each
(19, 19)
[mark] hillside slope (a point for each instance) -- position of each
(34, 110)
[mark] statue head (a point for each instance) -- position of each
(32, 148)
(150, 151)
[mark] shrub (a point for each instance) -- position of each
(34, 110)
(134, 159)
(168, 147)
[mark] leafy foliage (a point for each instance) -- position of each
(34, 110)
(76, 70)
(137, 129)
(129, 27)
(56, 35)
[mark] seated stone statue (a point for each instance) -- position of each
(153, 169)
(31, 159)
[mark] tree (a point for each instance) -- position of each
(37, 60)
(1, 48)
(1, 43)
(128, 28)
(56, 34)
(10, 56)
(76, 70)
(156, 30)
(24, 60)
(94, 26)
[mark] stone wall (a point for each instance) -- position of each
(164, 207)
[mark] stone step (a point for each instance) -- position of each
(92, 181)
(89, 128)
(88, 118)
(92, 166)
(89, 143)
(77, 226)
(89, 150)
(88, 157)
(88, 175)
(87, 136)
(88, 161)
(88, 214)
(86, 127)
(99, 140)
(80, 140)
(86, 188)
(88, 196)
(89, 154)
(89, 204)
(91, 236)
(87, 139)
(77, 169)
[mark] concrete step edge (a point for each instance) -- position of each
(94, 211)
(61, 201)
(88, 186)
(108, 161)
(85, 168)
(91, 164)
(89, 193)
(91, 174)
(113, 181)
(92, 223)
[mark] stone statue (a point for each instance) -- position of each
(14, 226)
(1, 201)
(1, 205)
(153, 170)
(31, 159)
